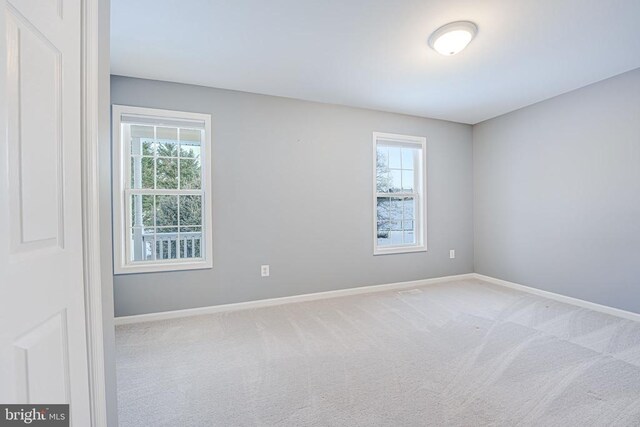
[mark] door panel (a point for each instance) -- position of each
(41, 362)
(43, 353)
(35, 145)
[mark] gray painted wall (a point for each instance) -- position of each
(280, 167)
(557, 194)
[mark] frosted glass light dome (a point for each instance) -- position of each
(453, 37)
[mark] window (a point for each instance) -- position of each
(161, 196)
(399, 186)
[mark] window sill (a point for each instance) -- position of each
(152, 267)
(399, 250)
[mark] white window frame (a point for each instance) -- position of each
(121, 194)
(420, 192)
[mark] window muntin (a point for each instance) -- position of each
(163, 202)
(399, 207)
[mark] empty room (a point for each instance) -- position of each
(320, 213)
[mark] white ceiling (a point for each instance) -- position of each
(374, 53)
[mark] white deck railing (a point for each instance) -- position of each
(167, 245)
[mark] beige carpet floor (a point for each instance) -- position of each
(463, 353)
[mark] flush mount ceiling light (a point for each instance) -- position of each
(453, 37)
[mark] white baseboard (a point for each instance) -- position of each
(124, 320)
(562, 298)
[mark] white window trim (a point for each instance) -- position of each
(421, 228)
(120, 205)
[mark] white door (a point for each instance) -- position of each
(43, 354)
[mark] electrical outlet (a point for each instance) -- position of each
(452, 253)
(264, 270)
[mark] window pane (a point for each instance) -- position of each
(383, 204)
(382, 157)
(407, 180)
(173, 248)
(383, 208)
(167, 134)
(166, 210)
(409, 208)
(383, 182)
(149, 242)
(396, 225)
(167, 173)
(191, 210)
(395, 237)
(395, 213)
(142, 210)
(190, 242)
(395, 181)
(190, 173)
(383, 238)
(142, 243)
(383, 224)
(382, 170)
(142, 140)
(389, 221)
(409, 238)
(167, 139)
(166, 242)
(407, 225)
(407, 157)
(394, 158)
(166, 246)
(142, 172)
(160, 253)
(190, 140)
